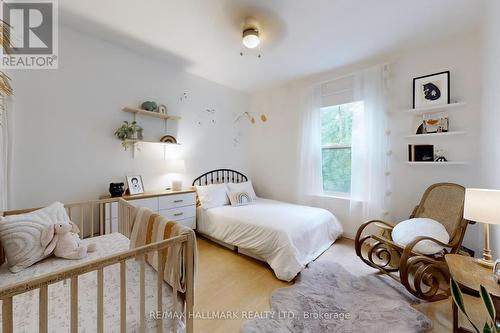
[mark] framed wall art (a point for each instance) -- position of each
(431, 90)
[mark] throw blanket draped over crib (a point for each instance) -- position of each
(149, 228)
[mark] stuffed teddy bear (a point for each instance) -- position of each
(62, 238)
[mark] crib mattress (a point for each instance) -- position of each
(25, 305)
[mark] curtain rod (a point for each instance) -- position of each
(350, 74)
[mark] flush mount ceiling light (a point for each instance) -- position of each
(251, 38)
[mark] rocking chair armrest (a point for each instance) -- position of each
(361, 238)
(379, 223)
(410, 247)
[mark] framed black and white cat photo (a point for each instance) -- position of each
(431, 90)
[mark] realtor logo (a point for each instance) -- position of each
(31, 27)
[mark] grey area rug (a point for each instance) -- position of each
(327, 298)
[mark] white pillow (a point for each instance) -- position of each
(405, 232)
(213, 195)
(240, 198)
(20, 235)
(242, 187)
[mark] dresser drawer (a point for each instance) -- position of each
(176, 200)
(189, 222)
(151, 203)
(179, 213)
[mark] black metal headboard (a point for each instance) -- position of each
(220, 176)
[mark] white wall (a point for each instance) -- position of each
(490, 134)
(274, 146)
(63, 144)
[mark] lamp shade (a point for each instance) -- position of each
(482, 205)
(175, 166)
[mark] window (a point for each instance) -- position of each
(336, 135)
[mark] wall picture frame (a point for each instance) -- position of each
(431, 90)
(135, 185)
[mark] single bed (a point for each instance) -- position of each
(286, 236)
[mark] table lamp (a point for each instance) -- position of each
(175, 167)
(483, 206)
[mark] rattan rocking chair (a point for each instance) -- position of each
(425, 276)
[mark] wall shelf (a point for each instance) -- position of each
(433, 135)
(434, 109)
(150, 113)
(136, 145)
(165, 117)
(437, 163)
(153, 142)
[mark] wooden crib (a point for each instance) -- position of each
(89, 217)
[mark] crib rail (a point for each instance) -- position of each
(89, 216)
(126, 215)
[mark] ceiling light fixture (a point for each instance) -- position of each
(251, 38)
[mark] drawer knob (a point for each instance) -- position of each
(178, 214)
(177, 201)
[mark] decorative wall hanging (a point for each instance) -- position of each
(251, 118)
(431, 90)
(5, 87)
(208, 116)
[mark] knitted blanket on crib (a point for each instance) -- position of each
(148, 228)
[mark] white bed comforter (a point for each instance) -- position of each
(286, 236)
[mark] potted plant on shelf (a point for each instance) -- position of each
(128, 132)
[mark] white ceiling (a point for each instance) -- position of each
(300, 37)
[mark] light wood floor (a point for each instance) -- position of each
(231, 282)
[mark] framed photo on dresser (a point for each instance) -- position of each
(135, 185)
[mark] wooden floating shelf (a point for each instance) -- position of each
(154, 142)
(430, 135)
(436, 163)
(433, 109)
(150, 113)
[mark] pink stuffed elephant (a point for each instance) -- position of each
(62, 238)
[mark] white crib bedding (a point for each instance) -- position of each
(26, 305)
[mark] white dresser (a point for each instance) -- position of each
(179, 206)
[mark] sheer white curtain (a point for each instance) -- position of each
(370, 154)
(310, 181)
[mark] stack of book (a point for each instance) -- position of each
(420, 153)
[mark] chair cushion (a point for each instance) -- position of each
(405, 232)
